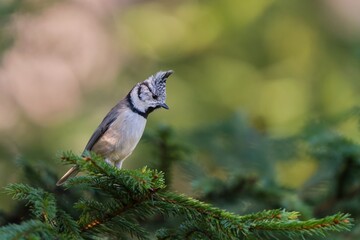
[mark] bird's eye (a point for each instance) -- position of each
(155, 96)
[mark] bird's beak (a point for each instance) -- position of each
(163, 105)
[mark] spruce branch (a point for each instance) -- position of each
(49, 220)
(316, 227)
(128, 198)
(150, 194)
(96, 213)
(43, 204)
(275, 214)
(67, 225)
(31, 229)
(138, 187)
(279, 220)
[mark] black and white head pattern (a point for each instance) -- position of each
(150, 94)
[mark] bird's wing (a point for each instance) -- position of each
(103, 127)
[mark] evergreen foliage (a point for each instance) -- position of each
(110, 203)
(236, 167)
(116, 203)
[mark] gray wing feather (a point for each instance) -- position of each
(103, 127)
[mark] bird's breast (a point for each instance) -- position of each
(125, 133)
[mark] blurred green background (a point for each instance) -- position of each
(277, 64)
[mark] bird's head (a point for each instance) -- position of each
(150, 94)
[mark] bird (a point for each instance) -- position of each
(120, 131)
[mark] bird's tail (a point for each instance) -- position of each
(69, 174)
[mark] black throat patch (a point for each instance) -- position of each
(151, 109)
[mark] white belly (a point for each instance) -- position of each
(121, 138)
(131, 129)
